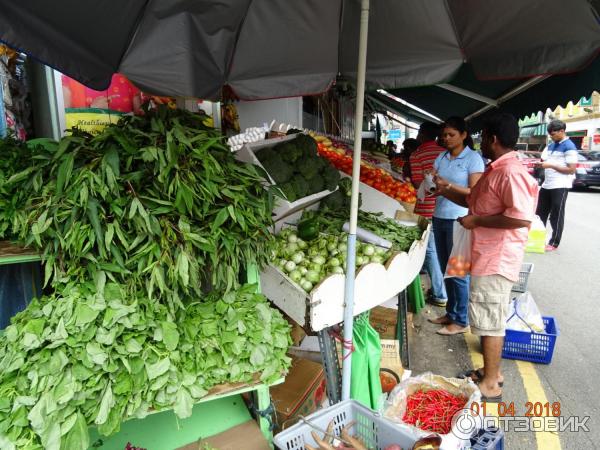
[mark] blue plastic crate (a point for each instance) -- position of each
(488, 439)
(530, 345)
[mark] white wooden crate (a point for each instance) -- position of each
(375, 283)
(282, 207)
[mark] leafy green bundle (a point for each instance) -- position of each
(95, 355)
(151, 201)
(401, 236)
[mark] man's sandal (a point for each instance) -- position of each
(478, 376)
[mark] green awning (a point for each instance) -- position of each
(578, 133)
(533, 130)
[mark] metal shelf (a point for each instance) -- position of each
(13, 254)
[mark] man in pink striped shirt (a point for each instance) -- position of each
(501, 207)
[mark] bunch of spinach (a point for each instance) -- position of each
(158, 199)
(95, 355)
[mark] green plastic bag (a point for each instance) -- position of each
(415, 295)
(365, 385)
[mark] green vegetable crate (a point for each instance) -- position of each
(283, 207)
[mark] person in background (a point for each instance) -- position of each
(462, 168)
(501, 209)
(559, 161)
(409, 146)
(420, 163)
(392, 149)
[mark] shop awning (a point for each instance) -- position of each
(577, 133)
(520, 97)
(533, 130)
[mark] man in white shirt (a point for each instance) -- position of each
(559, 159)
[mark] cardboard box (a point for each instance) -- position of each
(246, 435)
(391, 362)
(385, 321)
(302, 393)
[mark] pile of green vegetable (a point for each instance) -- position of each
(154, 200)
(96, 355)
(135, 225)
(331, 220)
(297, 169)
(307, 263)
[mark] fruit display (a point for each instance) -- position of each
(373, 176)
(297, 169)
(308, 262)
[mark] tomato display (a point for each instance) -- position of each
(373, 176)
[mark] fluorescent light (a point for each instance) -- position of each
(410, 105)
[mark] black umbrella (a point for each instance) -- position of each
(274, 48)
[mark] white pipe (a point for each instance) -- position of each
(351, 255)
(510, 94)
(469, 94)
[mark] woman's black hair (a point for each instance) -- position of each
(459, 124)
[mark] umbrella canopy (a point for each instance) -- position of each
(276, 48)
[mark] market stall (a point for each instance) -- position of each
(145, 55)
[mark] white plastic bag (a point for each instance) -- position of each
(525, 315)
(395, 406)
(459, 262)
(427, 188)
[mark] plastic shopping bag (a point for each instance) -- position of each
(397, 402)
(365, 384)
(427, 188)
(536, 240)
(525, 315)
(459, 262)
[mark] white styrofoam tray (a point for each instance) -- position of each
(283, 207)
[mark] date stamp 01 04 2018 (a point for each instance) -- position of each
(538, 417)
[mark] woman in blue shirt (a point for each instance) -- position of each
(461, 167)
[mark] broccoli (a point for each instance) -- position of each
(331, 176)
(335, 201)
(287, 189)
(307, 144)
(289, 152)
(293, 131)
(301, 186)
(345, 185)
(316, 184)
(265, 153)
(308, 166)
(277, 169)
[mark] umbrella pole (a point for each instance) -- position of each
(351, 255)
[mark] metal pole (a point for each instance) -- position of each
(351, 255)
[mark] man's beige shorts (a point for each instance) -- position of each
(489, 304)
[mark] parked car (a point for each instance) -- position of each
(588, 171)
(530, 160)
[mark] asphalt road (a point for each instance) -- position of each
(565, 285)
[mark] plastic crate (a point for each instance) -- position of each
(521, 285)
(488, 439)
(376, 431)
(530, 345)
